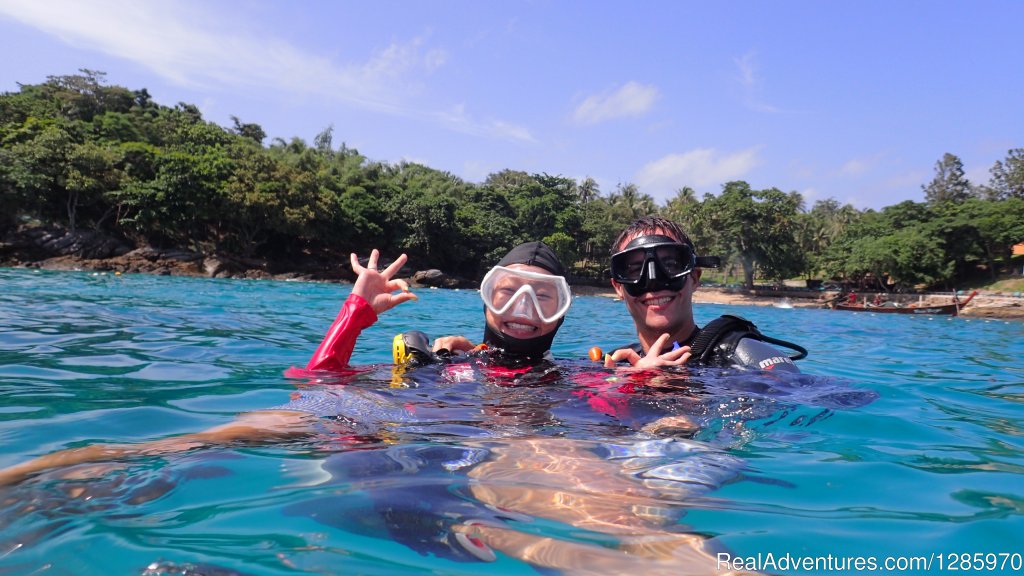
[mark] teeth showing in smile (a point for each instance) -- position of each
(518, 326)
(658, 301)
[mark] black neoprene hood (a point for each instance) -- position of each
(534, 254)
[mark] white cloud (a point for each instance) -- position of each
(856, 167)
(700, 169)
(458, 119)
(195, 46)
(801, 170)
(631, 100)
(435, 59)
(910, 180)
(853, 168)
(750, 84)
(509, 131)
(190, 44)
(745, 64)
(810, 195)
(476, 170)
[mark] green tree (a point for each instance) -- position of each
(1007, 176)
(253, 132)
(55, 174)
(905, 257)
(982, 231)
(36, 154)
(10, 202)
(590, 240)
(487, 228)
(819, 227)
(324, 141)
(116, 127)
(91, 177)
(601, 226)
(423, 216)
(949, 183)
(83, 96)
(683, 208)
(631, 203)
(589, 190)
(563, 245)
(902, 245)
(260, 202)
(757, 228)
(183, 205)
(539, 201)
(76, 150)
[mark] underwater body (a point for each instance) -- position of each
(901, 439)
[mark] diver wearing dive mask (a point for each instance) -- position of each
(525, 300)
(655, 271)
(525, 297)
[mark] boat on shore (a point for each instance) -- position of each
(892, 308)
(941, 309)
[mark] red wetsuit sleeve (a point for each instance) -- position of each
(336, 349)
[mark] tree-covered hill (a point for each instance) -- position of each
(91, 156)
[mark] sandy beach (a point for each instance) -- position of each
(984, 305)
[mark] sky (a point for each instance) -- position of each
(850, 100)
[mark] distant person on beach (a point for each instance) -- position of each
(655, 270)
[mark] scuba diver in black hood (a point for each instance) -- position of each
(525, 300)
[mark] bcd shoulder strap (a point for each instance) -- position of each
(728, 329)
(703, 346)
(732, 329)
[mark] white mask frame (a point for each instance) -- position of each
(525, 294)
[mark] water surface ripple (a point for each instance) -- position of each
(903, 437)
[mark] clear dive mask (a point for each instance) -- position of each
(529, 295)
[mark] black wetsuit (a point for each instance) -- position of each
(731, 341)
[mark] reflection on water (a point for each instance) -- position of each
(899, 427)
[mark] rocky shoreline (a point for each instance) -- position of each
(52, 248)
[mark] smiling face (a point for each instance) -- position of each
(521, 320)
(661, 311)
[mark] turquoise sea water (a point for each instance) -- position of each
(903, 440)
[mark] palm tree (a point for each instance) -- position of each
(631, 202)
(588, 190)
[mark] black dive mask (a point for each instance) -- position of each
(655, 262)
